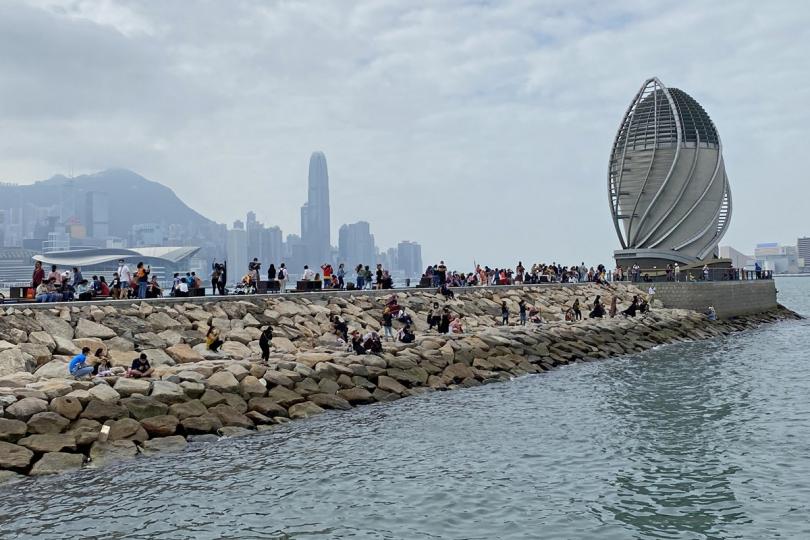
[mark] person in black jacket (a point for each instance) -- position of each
(264, 342)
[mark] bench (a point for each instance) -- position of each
(272, 285)
(307, 286)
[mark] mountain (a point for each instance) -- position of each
(132, 199)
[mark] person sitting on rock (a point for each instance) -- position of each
(101, 364)
(598, 310)
(406, 335)
(455, 325)
(631, 310)
(78, 365)
(340, 327)
(140, 368)
(264, 342)
(404, 317)
(372, 342)
(357, 343)
(569, 315)
(446, 292)
(212, 340)
(711, 314)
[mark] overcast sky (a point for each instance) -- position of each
(480, 129)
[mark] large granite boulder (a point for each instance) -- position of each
(13, 361)
(26, 408)
(86, 328)
(13, 456)
(57, 462)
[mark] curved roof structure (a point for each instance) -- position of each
(94, 256)
(667, 183)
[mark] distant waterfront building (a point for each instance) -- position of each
(356, 245)
(147, 234)
(163, 260)
(778, 259)
(97, 214)
(237, 253)
(315, 217)
(803, 248)
(409, 258)
(264, 243)
(738, 259)
(667, 184)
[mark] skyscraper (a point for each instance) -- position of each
(356, 245)
(409, 258)
(315, 219)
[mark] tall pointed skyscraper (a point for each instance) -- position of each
(315, 219)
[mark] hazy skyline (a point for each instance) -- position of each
(480, 129)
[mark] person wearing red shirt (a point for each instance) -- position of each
(39, 275)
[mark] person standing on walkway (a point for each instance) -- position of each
(38, 276)
(677, 272)
(142, 278)
(341, 275)
(282, 277)
(264, 342)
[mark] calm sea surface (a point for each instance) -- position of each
(700, 440)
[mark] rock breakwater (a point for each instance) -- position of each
(51, 423)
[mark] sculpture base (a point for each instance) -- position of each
(654, 261)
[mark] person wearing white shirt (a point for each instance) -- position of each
(309, 275)
(125, 276)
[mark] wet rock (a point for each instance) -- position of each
(174, 443)
(188, 409)
(160, 426)
(356, 396)
(230, 416)
(330, 401)
(284, 396)
(13, 456)
(8, 477)
(85, 431)
(233, 431)
(414, 376)
(389, 384)
(383, 396)
(267, 407)
(51, 442)
(57, 462)
(207, 423)
(103, 453)
(304, 410)
(47, 422)
(140, 407)
(127, 429)
(458, 372)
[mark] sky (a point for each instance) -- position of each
(480, 129)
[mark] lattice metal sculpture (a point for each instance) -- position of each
(667, 183)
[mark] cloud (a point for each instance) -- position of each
(480, 129)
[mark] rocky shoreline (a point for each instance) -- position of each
(51, 423)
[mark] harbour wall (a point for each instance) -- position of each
(729, 298)
(52, 423)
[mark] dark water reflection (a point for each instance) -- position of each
(699, 440)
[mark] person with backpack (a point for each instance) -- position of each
(282, 277)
